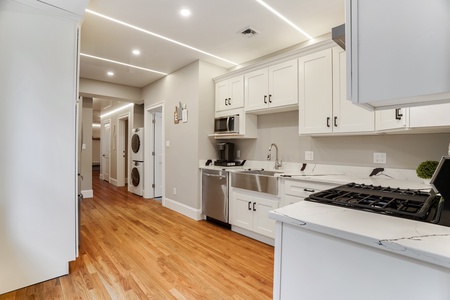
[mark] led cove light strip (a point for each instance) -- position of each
(157, 35)
(284, 18)
(121, 63)
(116, 110)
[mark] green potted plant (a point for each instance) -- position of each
(425, 170)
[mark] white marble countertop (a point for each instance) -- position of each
(339, 175)
(414, 239)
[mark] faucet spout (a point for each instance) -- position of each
(278, 164)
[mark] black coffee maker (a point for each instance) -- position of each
(226, 155)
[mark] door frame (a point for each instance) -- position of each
(122, 164)
(149, 112)
(102, 149)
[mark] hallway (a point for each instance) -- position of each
(134, 248)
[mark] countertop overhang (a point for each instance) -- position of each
(418, 240)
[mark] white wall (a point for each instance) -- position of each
(404, 151)
(193, 86)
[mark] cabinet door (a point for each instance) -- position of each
(347, 117)
(221, 96)
(256, 90)
(283, 86)
(261, 222)
(315, 93)
(391, 119)
(430, 116)
(236, 92)
(242, 215)
(399, 60)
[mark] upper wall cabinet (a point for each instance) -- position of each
(392, 119)
(398, 52)
(273, 88)
(430, 116)
(230, 93)
(323, 107)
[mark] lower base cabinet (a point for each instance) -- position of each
(251, 212)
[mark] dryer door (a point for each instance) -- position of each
(135, 176)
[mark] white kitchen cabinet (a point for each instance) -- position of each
(323, 107)
(230, 94)
(298, 190)
(398, 52)
(251, 212)
(430, 116)
(272, 88)
(392, 119)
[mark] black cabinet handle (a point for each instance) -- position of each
(254, 204)
(398, 115)
(328, 121)
(248, 206)
(229, 101)
(270, 96)
(226, 101)
(335, 121)
(265, 99)
(309, 190)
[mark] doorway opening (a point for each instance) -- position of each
(154, 152)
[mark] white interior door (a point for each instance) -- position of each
(122, 151)
(106, 149)
(158, 154)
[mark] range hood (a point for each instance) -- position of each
(338, 35)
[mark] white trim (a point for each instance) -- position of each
(183, 209)
(87, 193)
(113, 181)
(121, 171)
(148, 145)
(254, 235)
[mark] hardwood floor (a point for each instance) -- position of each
(134, 248)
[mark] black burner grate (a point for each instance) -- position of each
(400, 202)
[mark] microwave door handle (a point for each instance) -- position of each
(228, 124)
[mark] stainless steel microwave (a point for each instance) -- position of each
(226, 124)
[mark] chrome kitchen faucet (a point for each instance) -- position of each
(278, 164)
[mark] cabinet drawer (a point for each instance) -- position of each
(300, 188)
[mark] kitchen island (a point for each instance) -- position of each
(329, 252)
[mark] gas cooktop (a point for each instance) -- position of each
(406, 203)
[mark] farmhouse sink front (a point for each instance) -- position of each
(256, 180)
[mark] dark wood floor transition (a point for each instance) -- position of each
(134, 248)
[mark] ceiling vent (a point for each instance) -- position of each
(248, 32)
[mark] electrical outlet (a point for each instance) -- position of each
(174, 191)
(379, 158)
(309, 155)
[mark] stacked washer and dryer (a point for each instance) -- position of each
(137, 156)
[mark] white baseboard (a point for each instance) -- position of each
(87, 193)
(183, 209)
(253, 235)
(113, 181)
(101, 176)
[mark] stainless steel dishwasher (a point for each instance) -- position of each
(215, 195)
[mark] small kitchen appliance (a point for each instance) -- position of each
(413, 204)
(226, 155)
(226, 124)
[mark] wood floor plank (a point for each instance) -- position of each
(134, 248)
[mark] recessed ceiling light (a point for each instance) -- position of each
(185, 12)
(110, 73)
(158, 36)
(136, 51)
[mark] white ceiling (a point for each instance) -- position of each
(213, 27)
